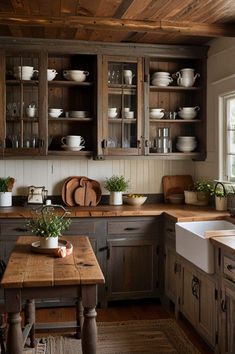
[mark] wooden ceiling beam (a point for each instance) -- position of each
(111, 24)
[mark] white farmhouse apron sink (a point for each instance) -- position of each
(192, 244)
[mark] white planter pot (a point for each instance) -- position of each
(115, 198)
(5, 199)
(221, 203)
(50, 242)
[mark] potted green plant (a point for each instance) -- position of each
(6, 186)
(116, 185)
(199, 194)
(48, 224)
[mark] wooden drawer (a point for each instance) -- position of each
(81, 228)
(229, 268)
(132, 227)
(169, 232)
(17, 228)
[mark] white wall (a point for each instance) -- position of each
(144, 175)
(220, 80)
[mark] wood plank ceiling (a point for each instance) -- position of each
(138, 21)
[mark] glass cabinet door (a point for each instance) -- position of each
(22, 104)
(121, 106)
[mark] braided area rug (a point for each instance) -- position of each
(162, 336)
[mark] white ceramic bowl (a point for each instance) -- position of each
(138, 200)
(129, 114)
(112, 110)
(187, 115)
(186, 147)
(161, 73)
(112, 114)
(54, 114)
(161, 82)
(186, 138)
(156, 115)
(75, 75)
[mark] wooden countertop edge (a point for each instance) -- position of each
(177, 213)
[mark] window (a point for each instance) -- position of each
(227, 138)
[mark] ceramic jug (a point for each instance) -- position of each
(186, 77)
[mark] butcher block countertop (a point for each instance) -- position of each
(174, 212)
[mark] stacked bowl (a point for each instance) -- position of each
(161, 78)
(186, 143)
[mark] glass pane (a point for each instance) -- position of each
(231, 142)
(231, 166)
(231, 113)
(22, 102)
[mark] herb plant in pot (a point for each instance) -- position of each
(6, 186)
(48, 224)
(116, 185)
(199, 195)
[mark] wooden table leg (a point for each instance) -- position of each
(89, 331)
(30, 319)
(14, 337)
(79, 318)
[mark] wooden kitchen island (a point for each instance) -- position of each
(30, 276)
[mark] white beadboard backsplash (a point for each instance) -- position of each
(145, 176)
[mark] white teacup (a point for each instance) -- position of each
(73, 140)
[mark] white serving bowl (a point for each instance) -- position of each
(75, 75)
(54, 114)
(138, 200)
(156, 114)
(185, 115)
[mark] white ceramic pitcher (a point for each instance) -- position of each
(186, 77)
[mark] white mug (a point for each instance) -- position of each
(31, 112)
(73, 140)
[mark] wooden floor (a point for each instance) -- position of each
(122, 311)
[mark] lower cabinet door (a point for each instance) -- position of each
(131, 268)
(199, 302)
(228, 330)
(171, 274)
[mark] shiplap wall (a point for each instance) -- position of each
(145, 176)
(220, 67)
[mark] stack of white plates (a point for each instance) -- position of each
(161, 78)
(78, 114)
(186, 143)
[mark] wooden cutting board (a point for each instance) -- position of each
(176, 184)
(81, 191)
